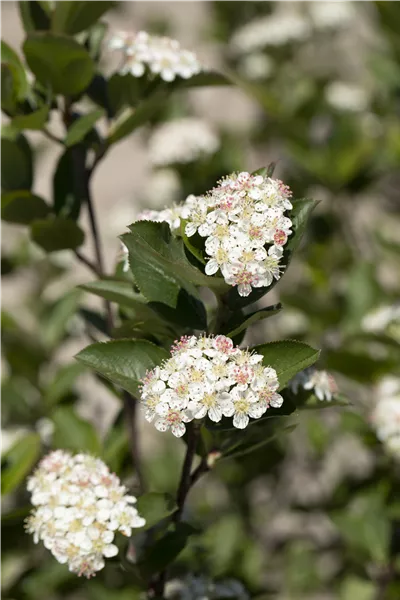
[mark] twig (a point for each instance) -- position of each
(87, 262)
(130, 406)
(185, 481)
(52, 137)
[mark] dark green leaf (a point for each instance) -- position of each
(82, 126)
(9, 57)
(121, 292)
(154, 507)
(18, 461)
(16, 164)
(34, 120)
(9, 98)
(23, 207)
(62, 382)
(287, 357)
(165, 550)
(57, 234)
(59, 61)
(34, 16)
(204, 79)
(71, 432)
(95, 40)
(135, 118)
(239, 322)
(123, 362)
(74, 16)
(68, 192)
(55, 321)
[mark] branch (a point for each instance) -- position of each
(87, 262)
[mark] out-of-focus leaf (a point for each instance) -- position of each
(97, 34)
(34, 15)
(134, 118)
(353, 588)
(16, 164)
(154, 507)
(8, 56)
(71, 432)
(58, 61)
(82, 126)
(359, 365)
(121, 292)
(68, 192)
(54, 323)
(165, 550)
(74, 16)
(23, 207)
(123, 362)
(203, 79)
(362, 292)
(287, 357)
(18, 461)
(57, 234)
(240, 322)
(34, 120)
(62, 382)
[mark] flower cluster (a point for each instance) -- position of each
(321, 382)
(79, 507)
(160, 55)
(171, 215)
(182, 141)
(244, 223)
(385, 319)
(208, 376)
(386, 416)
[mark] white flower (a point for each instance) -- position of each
(329, 15)
(243, 220)
(163, 187)
(346, 96)
(157, 54)
(385, 417)
(256, 66)
(279, 29)
(208, 376)
(321, 382)
(385, 319)
(79, 506)
(182, 141)
(172, 216)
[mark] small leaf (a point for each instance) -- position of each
(62, 382)
(9, 57)
(22, 207)
(18, 461)
(16, 164)
(33, 15)
(57, 234)
(58, 61)
(137, 117)
(123, 362)
(82, 126)
(240, 322)
(165, 550)
(154, 507)
(68, 192)
(71, 432)
(287, 357)
(34, 120)
(74, 16)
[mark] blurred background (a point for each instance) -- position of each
(313, 515)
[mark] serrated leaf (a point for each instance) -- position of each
(123, 362)
(239, 322)
(287, 357)
(71, 432)
(82, 126)
(22, 207)
(18, 461)
(57, 234)
(154, 507)
(58, 61)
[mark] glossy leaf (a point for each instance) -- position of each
(123, 362)
(57, 234)
(82, 126)
(16, 164)
(239, 323)
(121, 292)
(58, 61)
(18, 462)
(23, 207)
(71, 17)
(71, 432)
(287, 357)
(154, 507)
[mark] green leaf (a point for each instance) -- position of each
(22, 207)
(34, 120)
(123, 362)
(34, 15)
(287, 357)
(154, 507)
(74, 16)
(16, 164)
(97, 34)
(239, 322)
(203, 79)
(18, 462)
(299, 216)
(59, 61)
(354, 588)
(55, 321)
(134, 118)
(9, 57)
(82, 126)
(165, 550)
(197, 252)
(57, 234)
(159, 264)
(71, 432)
(118, 291)
(68, 193)
(62, 382)
(9, 98)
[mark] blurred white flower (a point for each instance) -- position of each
(45, 428)
(385, 417)
(79, 507)
(201, 588)
(256, 66)
(244, 223)
(208, 376)
(162, 188)
(385, 319)
(331, 15)
(277, 29)
(182, 141)
(346, 96)
(321, 382)
(160, 55)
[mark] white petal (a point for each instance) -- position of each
(240, 420)
(190, 229)
(276, 401)
(178, 430)
(211, 267)
(215, 414)
(110, 550)
(161, 425)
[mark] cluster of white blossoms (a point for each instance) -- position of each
(182, 141)
(320, 382)
(385, 417)
(208, 376)
(79, 507)
(171, 215)
(158, 54)
(244, 223)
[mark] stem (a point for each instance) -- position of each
(185, 481)
(52, 137)
(87, 262)
(130, 406)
